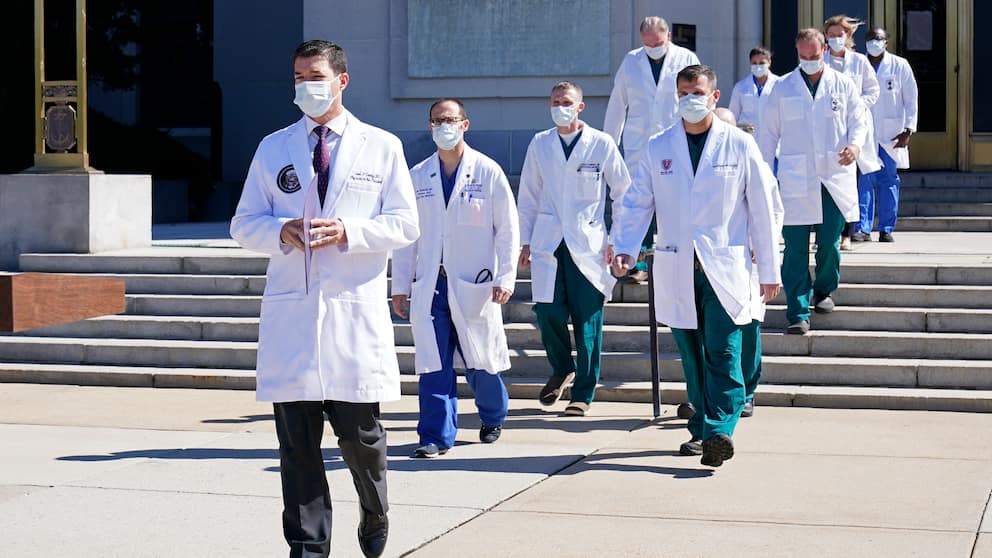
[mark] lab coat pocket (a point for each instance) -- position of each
(587, 188)
(749, 108)
(282, 297)
(793, 108)
(472, 211)
(546, 235)
(474, 299)
(792, 176)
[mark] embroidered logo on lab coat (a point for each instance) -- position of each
(834, 104)
(287, 180)
(666, 165)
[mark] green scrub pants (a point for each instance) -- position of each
(751, 357)
(799, 287)
(577, 298)
(711, 360)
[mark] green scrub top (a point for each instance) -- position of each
(696, 144)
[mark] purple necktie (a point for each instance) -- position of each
(322, 162)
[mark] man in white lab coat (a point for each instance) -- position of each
(463, 267)
(325, 344)
(895, 116)
(815, 121)
(749, 94)
(563, 194)
(712, 194)
(643, 101)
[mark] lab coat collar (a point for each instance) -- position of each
(349, 148)
(336, 125)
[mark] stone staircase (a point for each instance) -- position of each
(913, 328)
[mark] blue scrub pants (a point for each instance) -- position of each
(438, 390)
(881, 189)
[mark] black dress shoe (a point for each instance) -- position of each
(692, 447)
(716, 450)
(489, 434)
(555, 388)
(860, 237)
(685, 411)
(822, 303)
(885, 237)
(372, 534)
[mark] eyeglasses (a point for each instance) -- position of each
(446, 120)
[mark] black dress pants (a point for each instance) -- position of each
(306, 499)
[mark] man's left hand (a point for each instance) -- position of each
(769, 291)
(902, 140)
(501, 295)
(849, 154)
(327, 232)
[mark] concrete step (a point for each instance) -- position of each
(212, 328)
(945, 179)
(944, 209)
(159, 260)
(945, 224)
(945, 195)
(818, 363)
(520, 387)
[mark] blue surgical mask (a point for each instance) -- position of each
(811, 66)
(656, 52)
(447, 136)
(694, 108)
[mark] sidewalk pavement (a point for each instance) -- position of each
(108, 472)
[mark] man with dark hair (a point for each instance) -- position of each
(712, 195)
(325, 343)
(814, 122)
(750, 93)
(895, 116)
(562, 199)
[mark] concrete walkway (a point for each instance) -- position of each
(107, 472)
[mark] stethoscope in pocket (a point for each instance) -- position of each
(483, 276)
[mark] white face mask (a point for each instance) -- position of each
(811, 66)
(694, 108)
(314, 97)
(656, 52)
(447, 136)
(837, 44)
(875, 47)
(563, 116)
(759, 70)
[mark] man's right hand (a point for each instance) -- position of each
(292, 233)
(524, 261)
(622, 264)
(401, 305)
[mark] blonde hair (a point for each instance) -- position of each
(848, 24)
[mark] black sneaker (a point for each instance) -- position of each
(799, 328)
(428, 451)
(885, 237)
(748, 409)
(555, 388)
(692, 447)
(373, 531)
(489, 434)
(860, 237)
(822, 303)
(685, 411)
(716, 450)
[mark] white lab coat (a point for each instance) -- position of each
(561, 199)
(857, 67)
(333, 340)
(808, 134)
(745, 102)
(716, 213)
(477, 236)
(897, 107)
(778, 212)
(639, 108)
